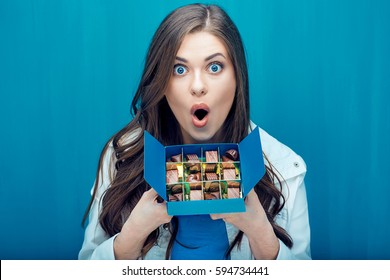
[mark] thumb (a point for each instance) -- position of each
(151, 194)
(216, 216)
(251, 196)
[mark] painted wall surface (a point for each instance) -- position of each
(319, 73)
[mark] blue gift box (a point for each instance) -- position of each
(249, 168)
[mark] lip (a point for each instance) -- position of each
(195, 121)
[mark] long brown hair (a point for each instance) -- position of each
(151, 112)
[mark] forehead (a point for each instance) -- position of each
(200, 45)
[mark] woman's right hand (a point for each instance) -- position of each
(146, 216)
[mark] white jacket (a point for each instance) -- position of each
(293, 217)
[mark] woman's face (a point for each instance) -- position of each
(201, 90)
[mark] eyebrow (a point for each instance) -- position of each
(206, 59)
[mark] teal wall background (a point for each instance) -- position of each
(319, 73)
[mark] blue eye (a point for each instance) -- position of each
(215, 68)
(179, 70)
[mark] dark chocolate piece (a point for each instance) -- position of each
(232, 154)
(176, 197)
(226, 159)
(177, 158)
(177, 189)
(195, 186)
(211, 195)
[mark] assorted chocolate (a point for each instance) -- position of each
(203, 175)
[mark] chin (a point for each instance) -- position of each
(200, 138)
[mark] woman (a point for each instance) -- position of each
(194, 89)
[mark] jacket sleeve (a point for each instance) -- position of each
(296, 219)
(97, 243)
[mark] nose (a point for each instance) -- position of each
(198, 85)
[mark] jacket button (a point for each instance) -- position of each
(296, 164)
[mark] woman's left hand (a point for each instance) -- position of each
(250, 221)
(255, 225)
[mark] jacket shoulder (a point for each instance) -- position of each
(283, 159)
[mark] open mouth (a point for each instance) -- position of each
(200, 114)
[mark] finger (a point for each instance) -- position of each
(216, 216)
(163, 214)
(150, 194)
(251, 196)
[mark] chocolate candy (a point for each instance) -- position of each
(211, 156)
(177, 158)
(233, 192)
(193, 177)
(171, 166)
(210, 167)
(177, 189)
(176, 197)
(211, 196)
(192, 158)
(196, 186)
(229, 174)
(228, 165)
(195, 195)
(233, 184)
(211, 176)
(226, 159)
(232, 154)
(193, 168)
(212, 187)
(172, 176)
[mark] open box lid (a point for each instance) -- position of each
(251, 161)
(154, 164)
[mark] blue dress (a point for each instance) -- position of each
(200, 238)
